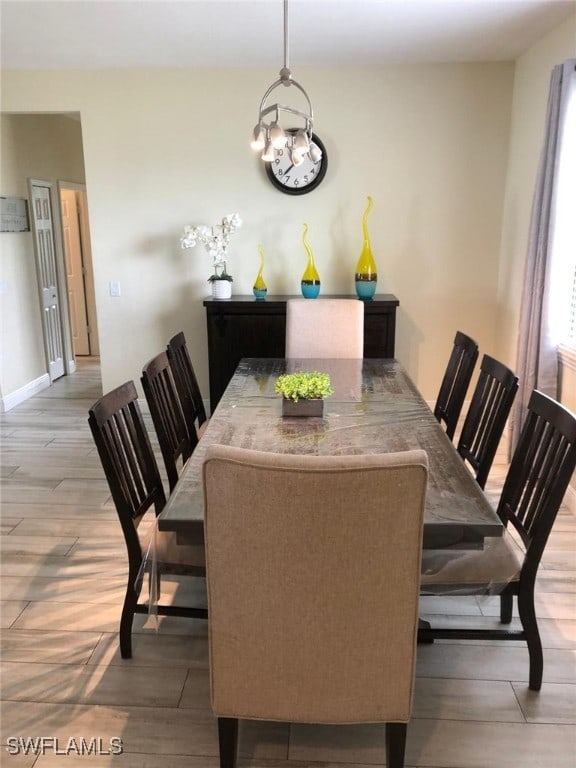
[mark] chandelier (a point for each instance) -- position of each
(270, 136)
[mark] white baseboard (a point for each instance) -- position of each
(22, 394)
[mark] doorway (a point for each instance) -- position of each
(44, 149)
(79, 273)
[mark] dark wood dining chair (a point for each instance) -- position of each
(136, 487)
(486, 418)
(321, 633)
(166, 412)
(455, 382)
(187, 387)
(535, 484)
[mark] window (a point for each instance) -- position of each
(563, 226)
(570, 339)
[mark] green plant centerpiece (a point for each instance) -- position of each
(303, 393)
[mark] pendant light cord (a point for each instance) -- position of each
(286, 55)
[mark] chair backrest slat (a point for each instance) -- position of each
(128, 461)
(128, 454)
(539, 474)
(166, 405)
(535, 480)
(162, 398)
(486, 418)
(128, 477)
(455, 381)
(548, 464)
(186, 385)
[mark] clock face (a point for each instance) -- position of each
(297, 180)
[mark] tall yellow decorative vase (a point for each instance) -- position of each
(366, 272)
(260, 288)
(310, 283)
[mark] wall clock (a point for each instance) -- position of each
(297, 180)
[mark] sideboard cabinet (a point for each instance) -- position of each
(244, 327)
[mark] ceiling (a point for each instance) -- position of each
(94, 34)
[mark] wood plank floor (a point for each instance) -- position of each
(62, 576)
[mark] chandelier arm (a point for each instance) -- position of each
(268, 92)
(284, 108)
(281, 82)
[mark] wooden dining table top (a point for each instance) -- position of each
(375, 408)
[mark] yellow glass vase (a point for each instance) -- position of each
(310, 283)
(366, 273)
(260, 288)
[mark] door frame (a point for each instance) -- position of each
(89, 286)
(62, 283)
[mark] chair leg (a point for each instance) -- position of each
(126, 619)
(157, 585)
(395, 744)
(506, 605)
(530, 627)
(154, 587)
(228, 741)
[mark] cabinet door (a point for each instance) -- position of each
(379, 330)
(232, 337)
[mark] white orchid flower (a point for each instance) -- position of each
(215, 239)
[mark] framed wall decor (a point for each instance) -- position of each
(14, 214)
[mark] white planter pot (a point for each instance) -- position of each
(221, 289)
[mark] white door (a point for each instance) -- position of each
(42, 224)
(75, 272)
(89, 290)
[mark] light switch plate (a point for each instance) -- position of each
(115, 288)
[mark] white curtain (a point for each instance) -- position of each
(537, 358)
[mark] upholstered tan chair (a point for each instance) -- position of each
(313, 568)
(324, 328)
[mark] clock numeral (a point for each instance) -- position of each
(291, 180)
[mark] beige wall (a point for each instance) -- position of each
(166, 148)
(47, 147)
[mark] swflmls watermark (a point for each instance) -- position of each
(43, 745)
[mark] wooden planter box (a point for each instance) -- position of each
(302, 407)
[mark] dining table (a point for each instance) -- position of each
(375, 408)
